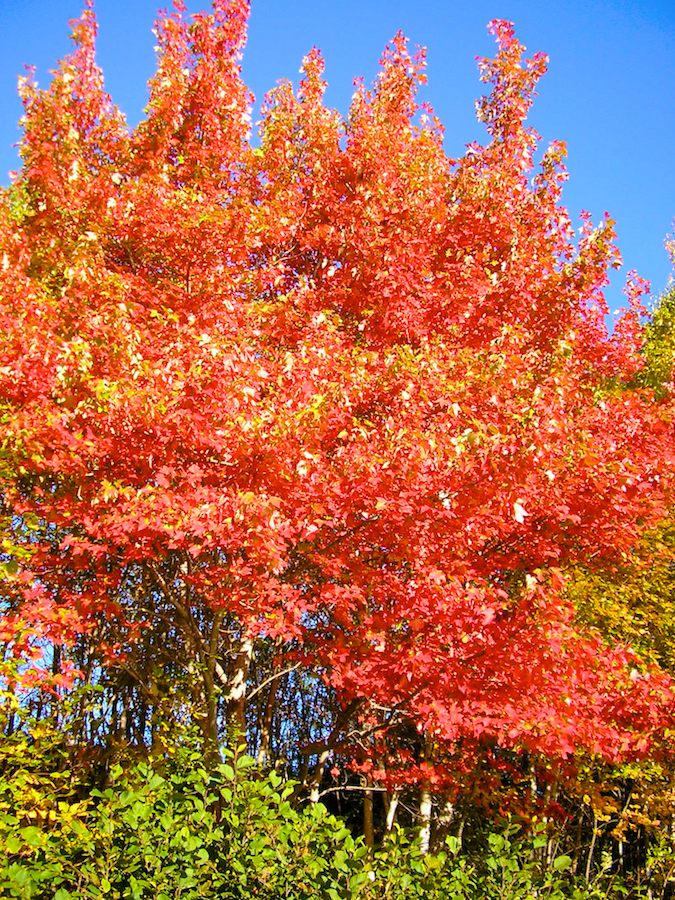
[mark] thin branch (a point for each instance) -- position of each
(272, 677)
(354, 787)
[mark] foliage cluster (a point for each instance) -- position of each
(169, 829)
(165, 832)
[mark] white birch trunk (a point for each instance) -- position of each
(425, 819)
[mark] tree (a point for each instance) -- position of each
(632, 603)
(319, 423)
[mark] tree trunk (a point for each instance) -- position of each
(425, 818)
(589, 861)
(425, 802)
(236, 696)
(368, 831)
(392, 809)
(266, 723)
(317, 778)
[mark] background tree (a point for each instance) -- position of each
(626, 805)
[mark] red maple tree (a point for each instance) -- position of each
(335, 394)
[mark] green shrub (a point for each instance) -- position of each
(175, 830)
(169, 831)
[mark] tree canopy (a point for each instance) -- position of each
(300, 436)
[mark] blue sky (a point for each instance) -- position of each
(609, 92)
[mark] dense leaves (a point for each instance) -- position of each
(173, 829)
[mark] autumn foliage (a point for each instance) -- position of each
(326, 406)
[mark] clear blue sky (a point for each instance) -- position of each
(609, 92)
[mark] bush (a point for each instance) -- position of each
(173, 830)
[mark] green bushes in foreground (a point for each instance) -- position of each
(175, 831)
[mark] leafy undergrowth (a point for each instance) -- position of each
(173, 830)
